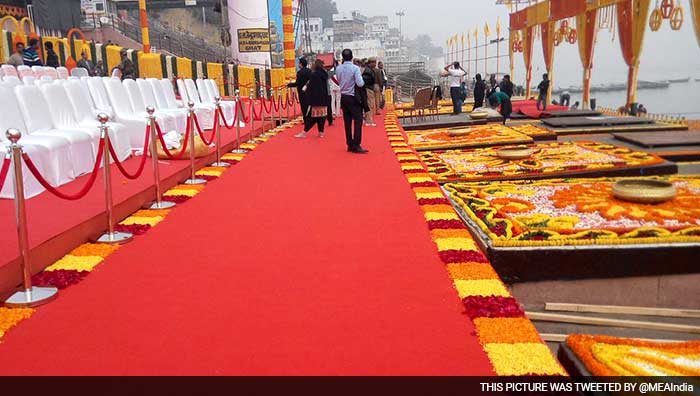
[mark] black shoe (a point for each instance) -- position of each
(360, 150)
(351, 150)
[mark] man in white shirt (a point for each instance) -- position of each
(456, 74)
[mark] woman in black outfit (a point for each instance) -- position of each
(317, 97)
(479, 92)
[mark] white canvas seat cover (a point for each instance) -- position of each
(98, 93)
(23, 70)
(9, 70)
(79, 72)
(12, 80)
(62, 73)
(205, 112)
(140, 89)
(64, 116)
(214, 92)
(206, 96)
(51, 154)
(50, 72)
(119, 99)
(163, 91)
(193, 95)
(37, 118)
(28, 80)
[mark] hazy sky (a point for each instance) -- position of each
(667, 54)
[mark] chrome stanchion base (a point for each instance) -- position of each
(32, 298)
(239, 151)
(161, 205)
(115, 237)
(220, 164)
(195, 181)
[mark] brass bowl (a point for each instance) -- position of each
(479, 115)
(648, 191)
(515, 152)
(459, 131)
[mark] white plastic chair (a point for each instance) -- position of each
(62, 73)
(138, 107)
(35, 112)
(188, 92)
(205, 113)
(228, 107)
(98, 93)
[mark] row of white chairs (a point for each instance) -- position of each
(55, 73)
(59, 126)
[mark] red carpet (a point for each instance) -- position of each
(324, 267)
(529, 108)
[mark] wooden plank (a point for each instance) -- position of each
(634, 324)
(553, 337)
(625, 310)
(660, 139)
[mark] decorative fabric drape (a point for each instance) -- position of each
(548, 32)
(695, 15)
(518, 20)
(511, 40)
(560, 9)
(528, 41)
(632, 16)
(586, 26)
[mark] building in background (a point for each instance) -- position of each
(378, 27)
(348, 27)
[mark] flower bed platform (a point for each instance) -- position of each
(573, 228)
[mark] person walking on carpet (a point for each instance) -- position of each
(544, 90)
(351, 82)
(479, 91)
(317, 98)
(501, 99)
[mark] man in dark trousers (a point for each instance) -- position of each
(544, 89)
(303, 76)
(479, 91)
(349, 78)
(507, 86)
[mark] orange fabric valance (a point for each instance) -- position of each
(560, 9)
(518, 20)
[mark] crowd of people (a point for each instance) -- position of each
(29, 55)
(355, 86)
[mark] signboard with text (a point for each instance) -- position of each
(250, 44)
(254, 40)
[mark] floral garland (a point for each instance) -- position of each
(562, 212)
(532, 130)
(509, 339)
(613, 356)
(478, 136)
(81, 261)
(549, 160)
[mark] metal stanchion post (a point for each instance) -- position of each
(289, 104)
(31, 296)
(266, 132)
(279, 109)
(252, 139)
(272, 112)
(193, 178)
(110, 236)
(219, 163)
(294, 101)
(237, 119)
(159, 203)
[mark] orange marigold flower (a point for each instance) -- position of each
(506, 330)
(471, 271)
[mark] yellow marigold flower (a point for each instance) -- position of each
(94, 249)
(9, 317)
(419, 179)
(433, 195)
(481, 287)
(77, 263)
(437, 208)
(455, 244)
(506, 330)
(181, 191)
(151, 221)
(230, 156)
(471, 271)
(522, 358)
(441, 216)
(247, 146)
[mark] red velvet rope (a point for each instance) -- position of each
(258, 116)
(3, 171)
(283, 103)
(276, 103)
(267, 110)
(72, 197)
(201, 133)
(239, 105)
(184, 145)
(290, 102)
(223, 119)
(139, 170)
